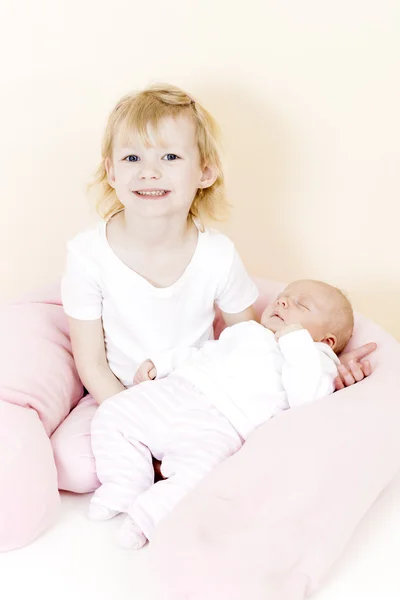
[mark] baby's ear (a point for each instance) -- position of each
(331, 340)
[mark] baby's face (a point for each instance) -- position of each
(308, 303)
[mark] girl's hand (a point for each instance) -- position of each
(352, 368)
(145, 372)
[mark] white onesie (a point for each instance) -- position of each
(200, 414)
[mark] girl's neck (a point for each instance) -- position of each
(154, 234)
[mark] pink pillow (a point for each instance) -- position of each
(29, 497)
(37, 368)
(38, 387)
(270, 521)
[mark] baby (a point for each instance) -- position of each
(215, 397)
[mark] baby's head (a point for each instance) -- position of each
(168, 120)
(319, 307)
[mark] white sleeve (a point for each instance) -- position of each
(80, 293)
(307, 372)
(166, 362)
(237, 290)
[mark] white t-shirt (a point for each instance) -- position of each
(140, 319)
(250, 376)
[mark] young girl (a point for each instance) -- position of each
(148, 278)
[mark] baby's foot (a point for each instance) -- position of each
(98, 512)
(130, 536)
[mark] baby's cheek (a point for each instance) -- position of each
(296, 316)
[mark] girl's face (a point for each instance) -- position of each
(160, 179)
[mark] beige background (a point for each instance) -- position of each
(307, 93)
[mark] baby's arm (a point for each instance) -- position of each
(164, 363)
(307, 373)
(87, 339)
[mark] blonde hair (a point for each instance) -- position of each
(136, 112)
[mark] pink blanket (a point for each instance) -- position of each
(270, 521)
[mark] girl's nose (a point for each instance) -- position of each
(149, 171)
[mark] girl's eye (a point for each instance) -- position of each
(170, 157)
(304, 306)
(131, 158)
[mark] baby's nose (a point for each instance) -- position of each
(283, 301)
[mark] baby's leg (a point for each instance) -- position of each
(124, 430)
(200, 439)
(72, 449)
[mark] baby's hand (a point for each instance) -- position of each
(145, 372)
(287, 329)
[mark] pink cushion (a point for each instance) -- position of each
(28, 479)
(38, 387)
(270, 521)
(38, 373)
(37, 368)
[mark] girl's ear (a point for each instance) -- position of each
(208, 176)
(110, 172)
